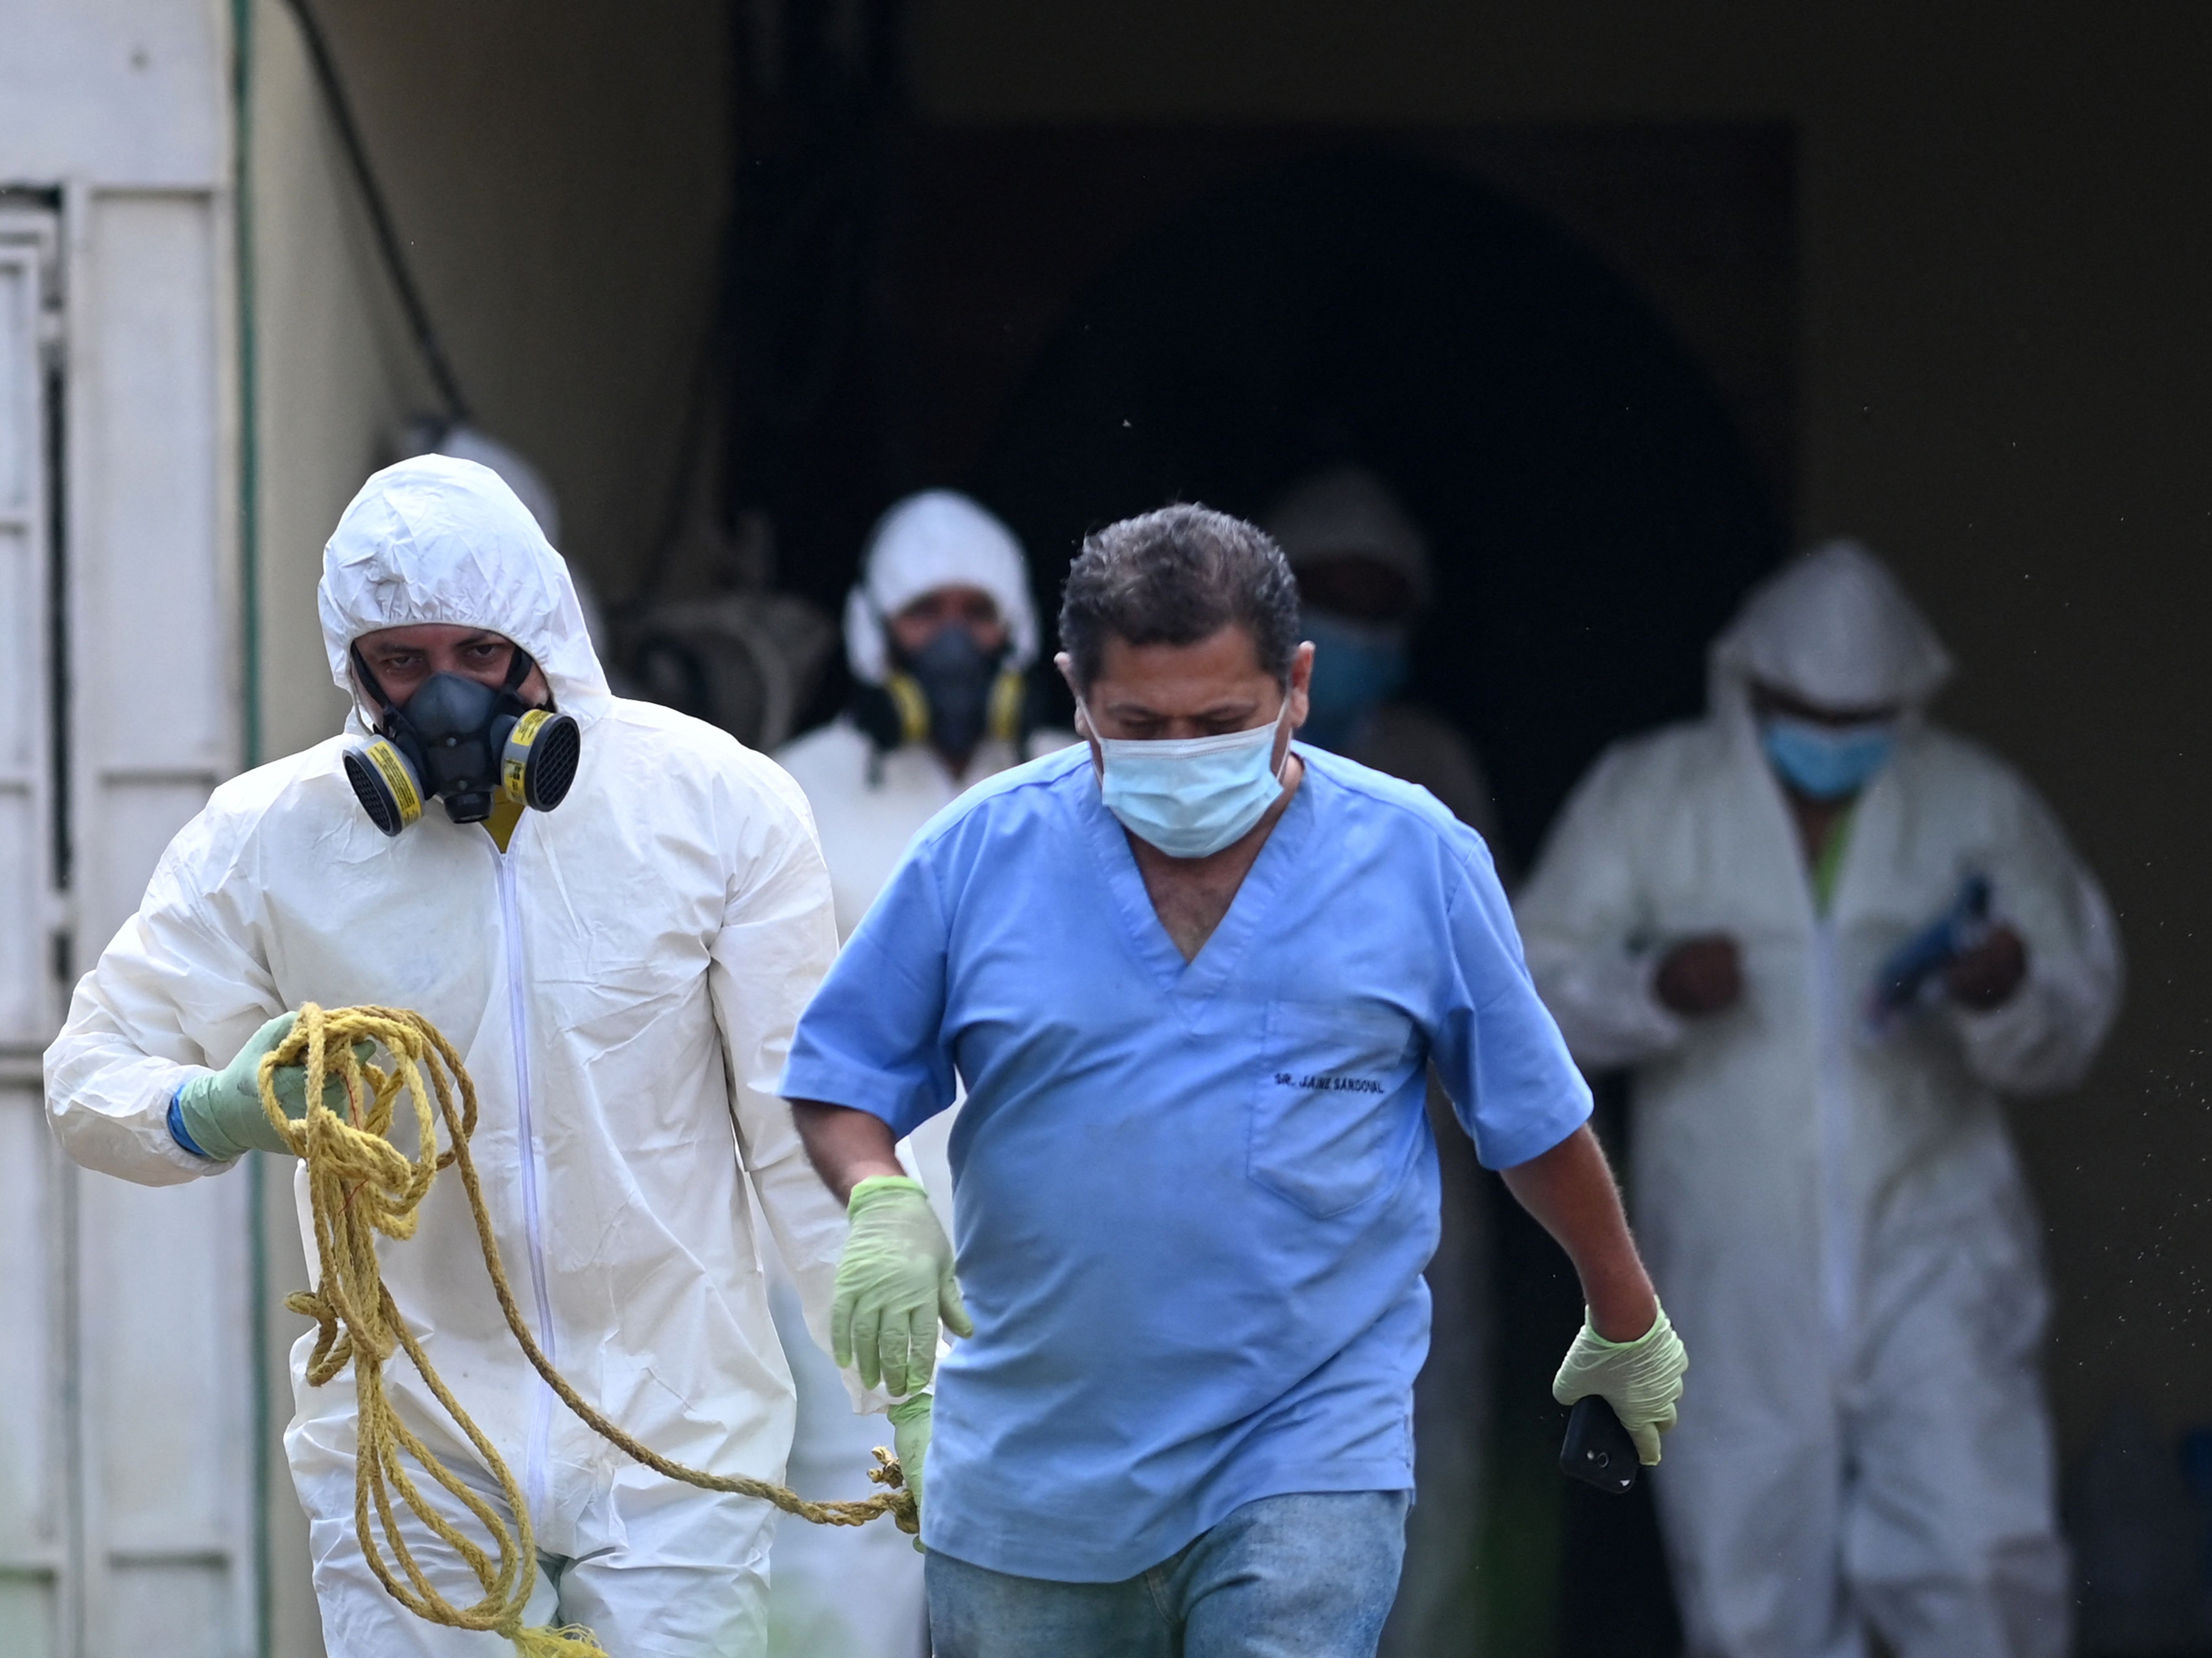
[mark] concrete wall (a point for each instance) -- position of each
(337, 377)
(558, 172)
(2005, 345)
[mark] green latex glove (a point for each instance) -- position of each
(1641, 1380)
(222, 1109)
(894, 1281)
(910, 1439)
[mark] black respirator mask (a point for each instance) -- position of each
(952, 692)
(462, 742)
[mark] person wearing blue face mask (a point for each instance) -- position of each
(1825, 1180)
(1193, 976)
(1364, 578)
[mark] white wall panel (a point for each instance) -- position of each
(178, 1609)
(34, 1537)
(28, 242)
(152, 643)
(111, 89)
(163, 1275)
(126, 1381)
(36, 1579)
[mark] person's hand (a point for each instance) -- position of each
(910, 1420)
(1986, 976)
(1700, 976)
(895, 1280)
(1642, 1380)
(222, 1109)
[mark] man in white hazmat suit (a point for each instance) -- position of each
(621, 973)
(938, 632)
(1829, 1199)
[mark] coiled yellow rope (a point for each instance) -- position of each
(360, 1185)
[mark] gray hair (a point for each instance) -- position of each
(1175, 576)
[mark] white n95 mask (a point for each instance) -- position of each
(1190, 796)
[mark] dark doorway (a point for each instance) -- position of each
(1595, 511)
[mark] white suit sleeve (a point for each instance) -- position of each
(1585, 925)
(778, 935)
(178, 989)
(2043, 1039)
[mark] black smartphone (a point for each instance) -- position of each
(1597, 1450)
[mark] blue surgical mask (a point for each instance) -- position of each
(1827, 762)
(1358, 667)
(1190, 796)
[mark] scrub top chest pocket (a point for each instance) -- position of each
(1329, 1113)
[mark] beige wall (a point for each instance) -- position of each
(338, 379)
(2006, 346)
(559, 172)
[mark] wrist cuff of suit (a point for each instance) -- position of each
(906, 1409)
(177, 1130)
(879, 1189)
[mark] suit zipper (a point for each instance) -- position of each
(541, 1397)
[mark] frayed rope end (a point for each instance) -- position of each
(569, 1641)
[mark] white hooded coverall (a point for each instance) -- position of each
(621, 985)
(1837, 1222)
(845, 1593)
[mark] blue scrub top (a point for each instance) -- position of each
(1192, 1202)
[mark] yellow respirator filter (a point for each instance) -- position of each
(385, 783)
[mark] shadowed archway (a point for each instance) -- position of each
(1593, 512)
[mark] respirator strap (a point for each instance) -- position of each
(386, 713)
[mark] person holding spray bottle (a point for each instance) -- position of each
(1827, 937)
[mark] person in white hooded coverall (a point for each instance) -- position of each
(942, 603)
(1832, 1208)
(621, 981)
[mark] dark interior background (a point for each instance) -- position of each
(1570, 351)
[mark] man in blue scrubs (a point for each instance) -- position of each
(1193, 977)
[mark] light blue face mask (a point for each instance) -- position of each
(1190, 796)
(1358, 667)
(1827, 762)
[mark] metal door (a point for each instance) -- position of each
(38, 1535)
(127, 1389)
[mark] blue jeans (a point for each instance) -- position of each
(1308, 1575)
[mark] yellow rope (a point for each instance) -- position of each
(360, 1185)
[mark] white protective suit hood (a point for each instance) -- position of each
(1346, 512)
(939, 538)
(438, 539)
(1835, 628)
(464, 443)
